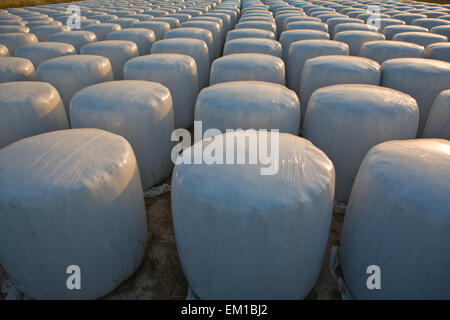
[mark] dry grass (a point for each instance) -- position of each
(26, 3)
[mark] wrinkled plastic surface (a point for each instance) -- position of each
(102, 30)
(158, 27)
(42, 51)
(438, 51)
(242, 235)
(391, 31)
(356, 38)
(290, 36)
(141, 112)
(345, 121)
(16, 69)
(383, 50)
(175, 71)
(70, 74)
(248, 105)
(420, 38)
(194, 33)
(70, 197)
(423, 79)
(300, 51)
(437, 125)
(143, 38)
(4, 52)
(29, 108)
(117, 51)
(398, 219)
(15, 40)
(44, 32)
(329, 70)
(248, 66)
(253, 45)
(76, 38)
(197, 49)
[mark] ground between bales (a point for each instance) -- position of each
(160, 275)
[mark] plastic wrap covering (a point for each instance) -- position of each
(423, 79)
(354, 27)
(430, 23)
(13, 29)
(70, 74)
(141, 112)
(117, 51)
(223, 31)
(309, 25)
(438, 51)
(420, 38)
(248, 105)
(386, 22)
(44, 32)
(226, 19)
(243, 235)
(80, 203)
(143, 38)
(300, 51)
(345, 121)
(383, 50)
(295, 18)
(16, 69)
(248, 66)
(290, 36)
(442, 30)
(437, 125)
(197, 49)
(397, 219)
(253, 45)
(42, 51)
(14, 40)
(233, 15)
(175, 71)
(194, 33)
(4, 52)
(214, 28)
(180, 16)
(408, 17)
(88, 22)
(391, 31)
(173, 22)
(29, 108)
(333, 22)
(355, 39)
(123, 22)
(76, 38)
(336, 69)
(249, 33)
(264, 25)
(102, 30)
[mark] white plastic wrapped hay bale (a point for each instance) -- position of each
(70, 74)
(300, 51)
(123, 22)
(290, 36)
(263, 25)
(243, 235)
(42, 51)
(29, 108)
(197, 49)
(194, 33)
(333, 22)
(383, 50)
(253, 45)
(438, 51)
(399, 208)
(335, 69)
(14, 40)
(4, 52)
(423, 79)
(216, 31)
(409, 17)
(420, 38)
(354, 27)
(117, 51)
(160, 28)
(16, 69)
(430, 23)
(226, 19)
(13, 29)
(442, 30)
(248, 105)
(180, 16)
(345, 121)
(139, 111)
(309, 25)
(143, 38)
(44, 32)
(80, 203)
(248, 66)
(439, 118)
(175, 71)
(391, 31)
(250, 33)
(102, 30)
(76, 38)
(355, 39)
(385, 22)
